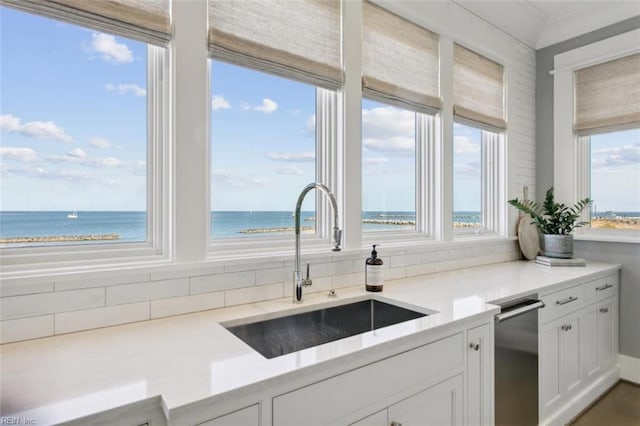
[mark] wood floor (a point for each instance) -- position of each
(618, 407)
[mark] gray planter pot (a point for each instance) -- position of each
(558, 246)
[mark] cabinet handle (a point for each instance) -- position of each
(474, 346)
(566, 327)
(567, 300)
(396, 424)
(604, 287)
(604, 310)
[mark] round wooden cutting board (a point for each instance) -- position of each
(528, 238)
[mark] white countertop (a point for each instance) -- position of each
(191, 357)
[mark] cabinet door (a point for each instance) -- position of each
(377, 419)
(560, 360)
(439, 405)
(479, 374)
(606, 332)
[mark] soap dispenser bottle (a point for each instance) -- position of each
(373, 272)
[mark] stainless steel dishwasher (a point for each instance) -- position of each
(516, 362)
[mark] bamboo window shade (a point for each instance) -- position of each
(607, 96)
(296, 39)
(400, 61)
(478, 88)
(148, 21)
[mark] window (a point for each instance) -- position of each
(596, 135)
(80, 158)
(478, 146)
(388, 168)
(614, 179)
(263, 152)
(74, 157)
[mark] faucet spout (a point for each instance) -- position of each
(298, 280)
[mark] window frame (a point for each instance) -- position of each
(156, 249)
(572, 178)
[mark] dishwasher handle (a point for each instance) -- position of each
(519, 310)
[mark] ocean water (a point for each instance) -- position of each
(131, 226)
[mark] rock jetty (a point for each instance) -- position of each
(267, 230)
(60, 238)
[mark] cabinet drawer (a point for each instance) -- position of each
(562, 302)
(601, 288)
(339, 396)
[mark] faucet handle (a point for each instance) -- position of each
(307, 281)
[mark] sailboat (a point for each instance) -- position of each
(73, 215)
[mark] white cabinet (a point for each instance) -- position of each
(440, 404)
(578, 346)
(249, 416)
(480, 361)
(375, 385)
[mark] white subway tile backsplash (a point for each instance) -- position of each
(96, 279)
(185, 304)
(238, 266)
(254, 294)
(131, 293)
(49, 303)
(15, 287)
(69, 322)
(348, 280)
(269, 276)
(26, 328)
(218, 282)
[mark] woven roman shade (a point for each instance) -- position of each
(607, 96)
(144, 20)
(400, 61)
(478, 88)
(297, 39)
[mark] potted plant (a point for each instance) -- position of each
(555, 221)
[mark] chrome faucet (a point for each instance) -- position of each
(298, 280)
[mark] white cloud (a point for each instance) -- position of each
(77, 153)
(390, 130)
(123, 89)
(469, 170)
(616, 156)
(100, 143)
(228, 178)
(110, 49)
(371, 166)
(267, 106)
(399, 145)
(21, 154)
(108, 162)
(219, 102)
(288, 170)
(465, 144)
(33, 129)
(293, 157)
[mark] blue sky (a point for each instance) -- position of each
(72, 117)
(73, 133)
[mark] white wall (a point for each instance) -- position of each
(47, 304)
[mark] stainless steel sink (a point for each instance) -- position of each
(292, 333)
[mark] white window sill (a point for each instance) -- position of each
(627, 238)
